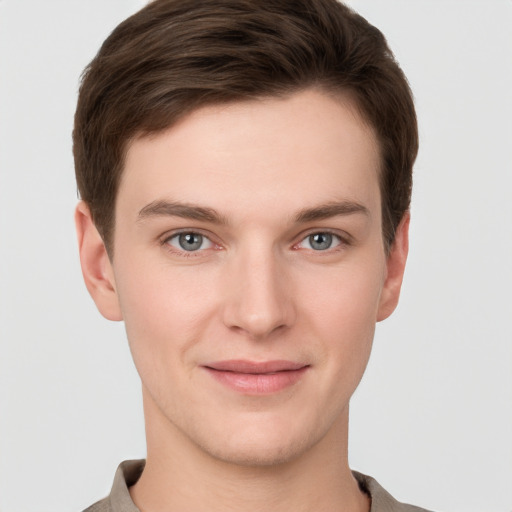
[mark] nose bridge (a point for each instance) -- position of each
(260, 302)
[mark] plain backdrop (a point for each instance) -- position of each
(432, 419)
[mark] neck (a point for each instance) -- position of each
(179, 475)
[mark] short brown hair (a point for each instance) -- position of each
(174, 56)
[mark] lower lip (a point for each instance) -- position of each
(258, 383)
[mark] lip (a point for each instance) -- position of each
(255, 377)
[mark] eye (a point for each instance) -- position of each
(321, 241)
(189, 242)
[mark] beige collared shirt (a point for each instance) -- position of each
(129, 472)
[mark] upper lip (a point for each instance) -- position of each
(255, 367)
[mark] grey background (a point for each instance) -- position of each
(432, 420)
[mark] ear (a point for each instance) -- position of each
(395, 267)
(96, 266)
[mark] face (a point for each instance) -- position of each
(250, 270)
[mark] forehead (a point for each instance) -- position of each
(289, 152)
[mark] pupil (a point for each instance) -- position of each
(320, 241)
(190, 241)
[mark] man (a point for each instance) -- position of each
(245, 174)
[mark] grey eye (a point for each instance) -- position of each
(190, 241)
(320, 241)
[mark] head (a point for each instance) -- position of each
(174, 57)
(245, 170)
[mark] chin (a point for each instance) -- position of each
(252, 454)
(260, 443)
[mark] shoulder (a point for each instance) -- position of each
(382, 501)
(100, 506)
(119, 499)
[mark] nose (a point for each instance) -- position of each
(259, 301)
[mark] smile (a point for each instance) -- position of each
(256, 378)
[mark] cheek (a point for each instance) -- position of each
(166, 311)
(344, 296)
(340, 307)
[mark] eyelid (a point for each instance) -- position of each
(164, 241)
(180, 231)
(344, 238)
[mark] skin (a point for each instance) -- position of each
(257, 289)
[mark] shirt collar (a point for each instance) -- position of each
(129, 472)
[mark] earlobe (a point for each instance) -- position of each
(96, 266)
(395, 267)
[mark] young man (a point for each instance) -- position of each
(245, 174)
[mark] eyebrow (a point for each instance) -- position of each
(326, 211)
(162, 208)
(184, 210)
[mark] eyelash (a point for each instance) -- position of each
(343, 242)
(184, 253)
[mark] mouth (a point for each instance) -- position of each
(257, 378)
